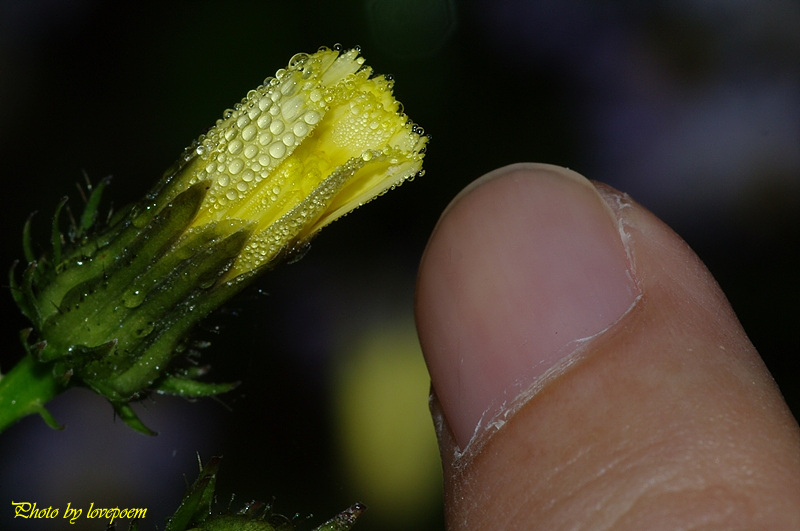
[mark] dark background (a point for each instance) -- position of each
(691, 107)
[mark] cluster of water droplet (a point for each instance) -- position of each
(251, 139)
(328, 100)
(270, 242)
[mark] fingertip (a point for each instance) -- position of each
(525, 264)
(664, 416)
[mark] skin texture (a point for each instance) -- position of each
(631, 400)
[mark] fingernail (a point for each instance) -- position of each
(522, 266)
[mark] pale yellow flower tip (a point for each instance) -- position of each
(311, 144)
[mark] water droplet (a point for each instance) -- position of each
(264, 121)
(235, 166)
(232, 195)
(300, 129)
(298, 60)
(206, 283)
(288, 87)
(292, 107)
(288, 139)
(133, 298)
(249, 132)
(277, 150)
(265, 138)
(235, 146)
(146, 330)
(311, 117)
(248, 176)
(276, 127)
(250, 151)
(242, 121)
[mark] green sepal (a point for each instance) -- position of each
(129, 417)
(195, 507)
(238, 522)
(27, 245)
(23, 293)
(26, 388)
(89, 214)
(48, 418)
(345, 520)
(152, 354)
(185, 387)
(55, 235)
(109, 268)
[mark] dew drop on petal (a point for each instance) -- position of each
(264, 138)
(250, 151)
(300, 129)
(276, 127)
(235, 166)
(311, 117)
(292, 107)
(264, 103)
(235, 146)
(249, 132)
(277, 150)
(264, 121)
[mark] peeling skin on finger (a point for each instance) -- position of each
(489, 425)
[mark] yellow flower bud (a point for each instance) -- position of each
(321, 138)
(112, 305)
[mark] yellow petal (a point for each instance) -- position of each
(321, 138)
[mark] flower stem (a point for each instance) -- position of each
(26, 389)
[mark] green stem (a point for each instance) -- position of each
(26, 389)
